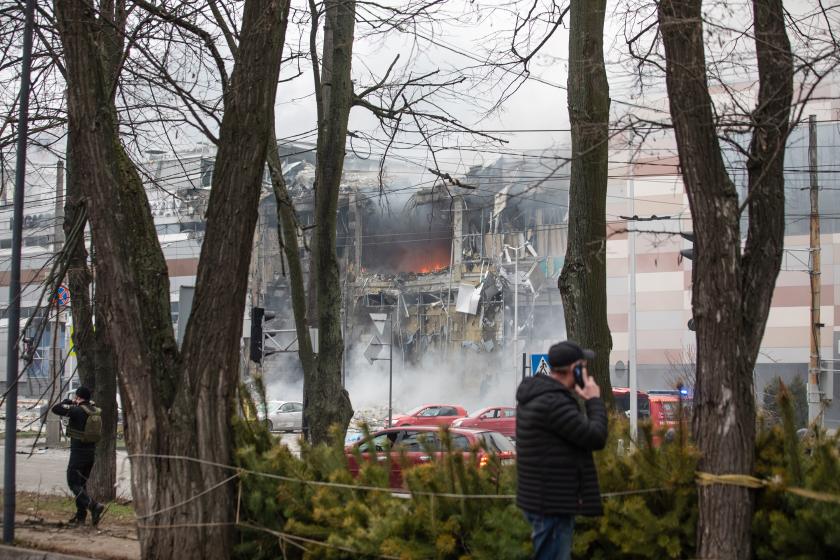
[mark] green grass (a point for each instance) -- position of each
(49, 506)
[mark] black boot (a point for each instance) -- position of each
(96, 511)
(77, 520)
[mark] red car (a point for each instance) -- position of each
(622, 401)
(431, 415)
(665, 411)
(500, 419)
(422, 444)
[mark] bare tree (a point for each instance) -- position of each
(95, 354)
(583, 280)
(328, 402)
(731, 289)
(683, 370)
(179, 404)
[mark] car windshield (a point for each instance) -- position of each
(480, 412)
(496, 442)
(415, 410)
(671, 409)
(380, 442)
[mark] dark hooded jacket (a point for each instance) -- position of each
(554, 443)
(80, 451)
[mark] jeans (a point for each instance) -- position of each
(78, 472)
(551, 535)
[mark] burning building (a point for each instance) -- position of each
(452, 267)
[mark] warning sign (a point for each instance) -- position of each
(539, 364)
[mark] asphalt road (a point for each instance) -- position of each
(44, 470)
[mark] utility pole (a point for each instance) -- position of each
(13, 329)
(516, 325)
(633, 382)
(53, 423)
(814, 393)
(391, 366)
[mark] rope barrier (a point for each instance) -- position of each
(289, 537)
(347, 486)
(703, 479)
(190, 499)
(747, 481)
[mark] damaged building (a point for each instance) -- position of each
(448, 265)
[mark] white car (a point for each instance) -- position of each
(285, 416)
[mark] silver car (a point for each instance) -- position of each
(286, 416)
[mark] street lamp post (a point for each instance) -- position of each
(383, 320)
(516, 250)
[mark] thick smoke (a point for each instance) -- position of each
(407, 238)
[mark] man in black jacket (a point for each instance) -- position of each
(82, 454)
(556, 476)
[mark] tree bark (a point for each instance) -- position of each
(287, 234)
(583, 280)
(177, 405)
(730, 293)
(327, 402)
(95, 357)
(94, 354)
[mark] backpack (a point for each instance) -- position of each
(93, 425)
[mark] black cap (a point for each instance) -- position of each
(83, 393)
(566, 353)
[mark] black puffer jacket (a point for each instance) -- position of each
(554, 443)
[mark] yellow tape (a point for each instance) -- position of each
(730, 479)
(820, 496)
(748, 481)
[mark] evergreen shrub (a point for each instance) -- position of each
(659, 522)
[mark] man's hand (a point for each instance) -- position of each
(590, 389)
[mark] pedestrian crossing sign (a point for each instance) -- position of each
(539, 364)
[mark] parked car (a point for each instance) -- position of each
(665, 415)
(419, 445)
(665, 410)
(431, 415)
(284, 416)
(622, 401)
(500, 419)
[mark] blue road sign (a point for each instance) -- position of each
(63, 295)
(539, 364)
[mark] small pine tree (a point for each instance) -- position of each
(798, 397)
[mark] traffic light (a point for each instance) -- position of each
(689, 254)
(258, 316)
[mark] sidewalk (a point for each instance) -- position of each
(40, 523)
(44, 471)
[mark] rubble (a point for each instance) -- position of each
(376, 418)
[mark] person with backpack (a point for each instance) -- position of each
(84, 427)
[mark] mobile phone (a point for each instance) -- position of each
(578, 372)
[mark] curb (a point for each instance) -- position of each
(16, 553)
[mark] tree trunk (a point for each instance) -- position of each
(287, 234)
(328, 403)
(583, 281)
(731, 293)
(102, 483)
(95, 357)
(176, 405)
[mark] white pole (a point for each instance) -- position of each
(516, 323)
(631, 355)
